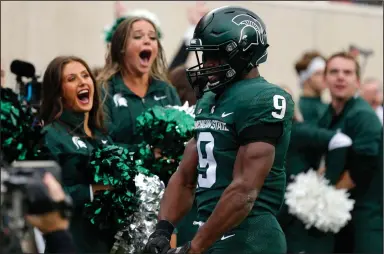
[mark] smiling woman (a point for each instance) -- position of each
(73, 119)
(134, 78)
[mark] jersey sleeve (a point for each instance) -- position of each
(268, 107)
(366, 134)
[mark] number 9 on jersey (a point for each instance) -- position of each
(205, 145)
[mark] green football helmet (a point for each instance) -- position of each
(236, 38)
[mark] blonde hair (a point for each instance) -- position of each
(115, 56)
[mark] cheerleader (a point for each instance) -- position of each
(74, 125)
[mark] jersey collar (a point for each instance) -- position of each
(74, 120)
(119, 86)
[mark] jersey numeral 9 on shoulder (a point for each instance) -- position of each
(280, 105)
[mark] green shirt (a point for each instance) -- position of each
(71, 148)
(122, 107)
(312, 108)
(308, 143)
(363, 159)
(218, 123)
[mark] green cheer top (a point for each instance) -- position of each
(364, 161)
(122, 107)
(71, 148)
(307, 144)
(312, 108)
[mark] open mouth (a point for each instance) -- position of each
(145, 55)
(83, 96)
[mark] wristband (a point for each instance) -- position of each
(165, 226)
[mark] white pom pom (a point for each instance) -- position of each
(310, 198)
(186, 108)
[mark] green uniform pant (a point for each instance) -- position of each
(364, 234)
(259, 234)
(302, 240)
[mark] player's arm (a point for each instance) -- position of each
(176, 202)
(253, 163)
(179, 194)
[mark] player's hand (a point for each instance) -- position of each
(159, 241)
(185, 249)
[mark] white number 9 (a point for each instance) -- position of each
(280, 104)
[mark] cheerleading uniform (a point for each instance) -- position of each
(122, 107)
(307, 144)
(312, 108)
(71, 148)
(364, 161)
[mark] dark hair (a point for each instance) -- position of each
(52, 106)
(344, 55)
(305, 60)
(179, 80)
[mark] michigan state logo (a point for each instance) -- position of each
(251, 27)
(119, 100)
(78, 143)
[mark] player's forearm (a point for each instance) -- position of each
(177, 200)
(232, 208)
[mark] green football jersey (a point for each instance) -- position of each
(218, 123)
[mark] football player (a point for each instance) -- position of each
(234, 166)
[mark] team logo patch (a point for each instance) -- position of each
(119, 100)
(78, 143)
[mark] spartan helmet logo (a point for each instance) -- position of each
(251, 27)
(119, 100)
(78, 143)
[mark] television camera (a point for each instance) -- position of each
(23, 192)
(31, 90)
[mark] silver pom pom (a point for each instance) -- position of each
(149, 191)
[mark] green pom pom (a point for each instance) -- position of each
(113, 166)
(167, 129)
(112, 210)
(21, 139)
(109, 33)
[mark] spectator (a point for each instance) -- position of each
(372, 91)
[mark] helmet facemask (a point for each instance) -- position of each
(232, 65)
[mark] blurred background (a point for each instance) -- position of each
(38, 31)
